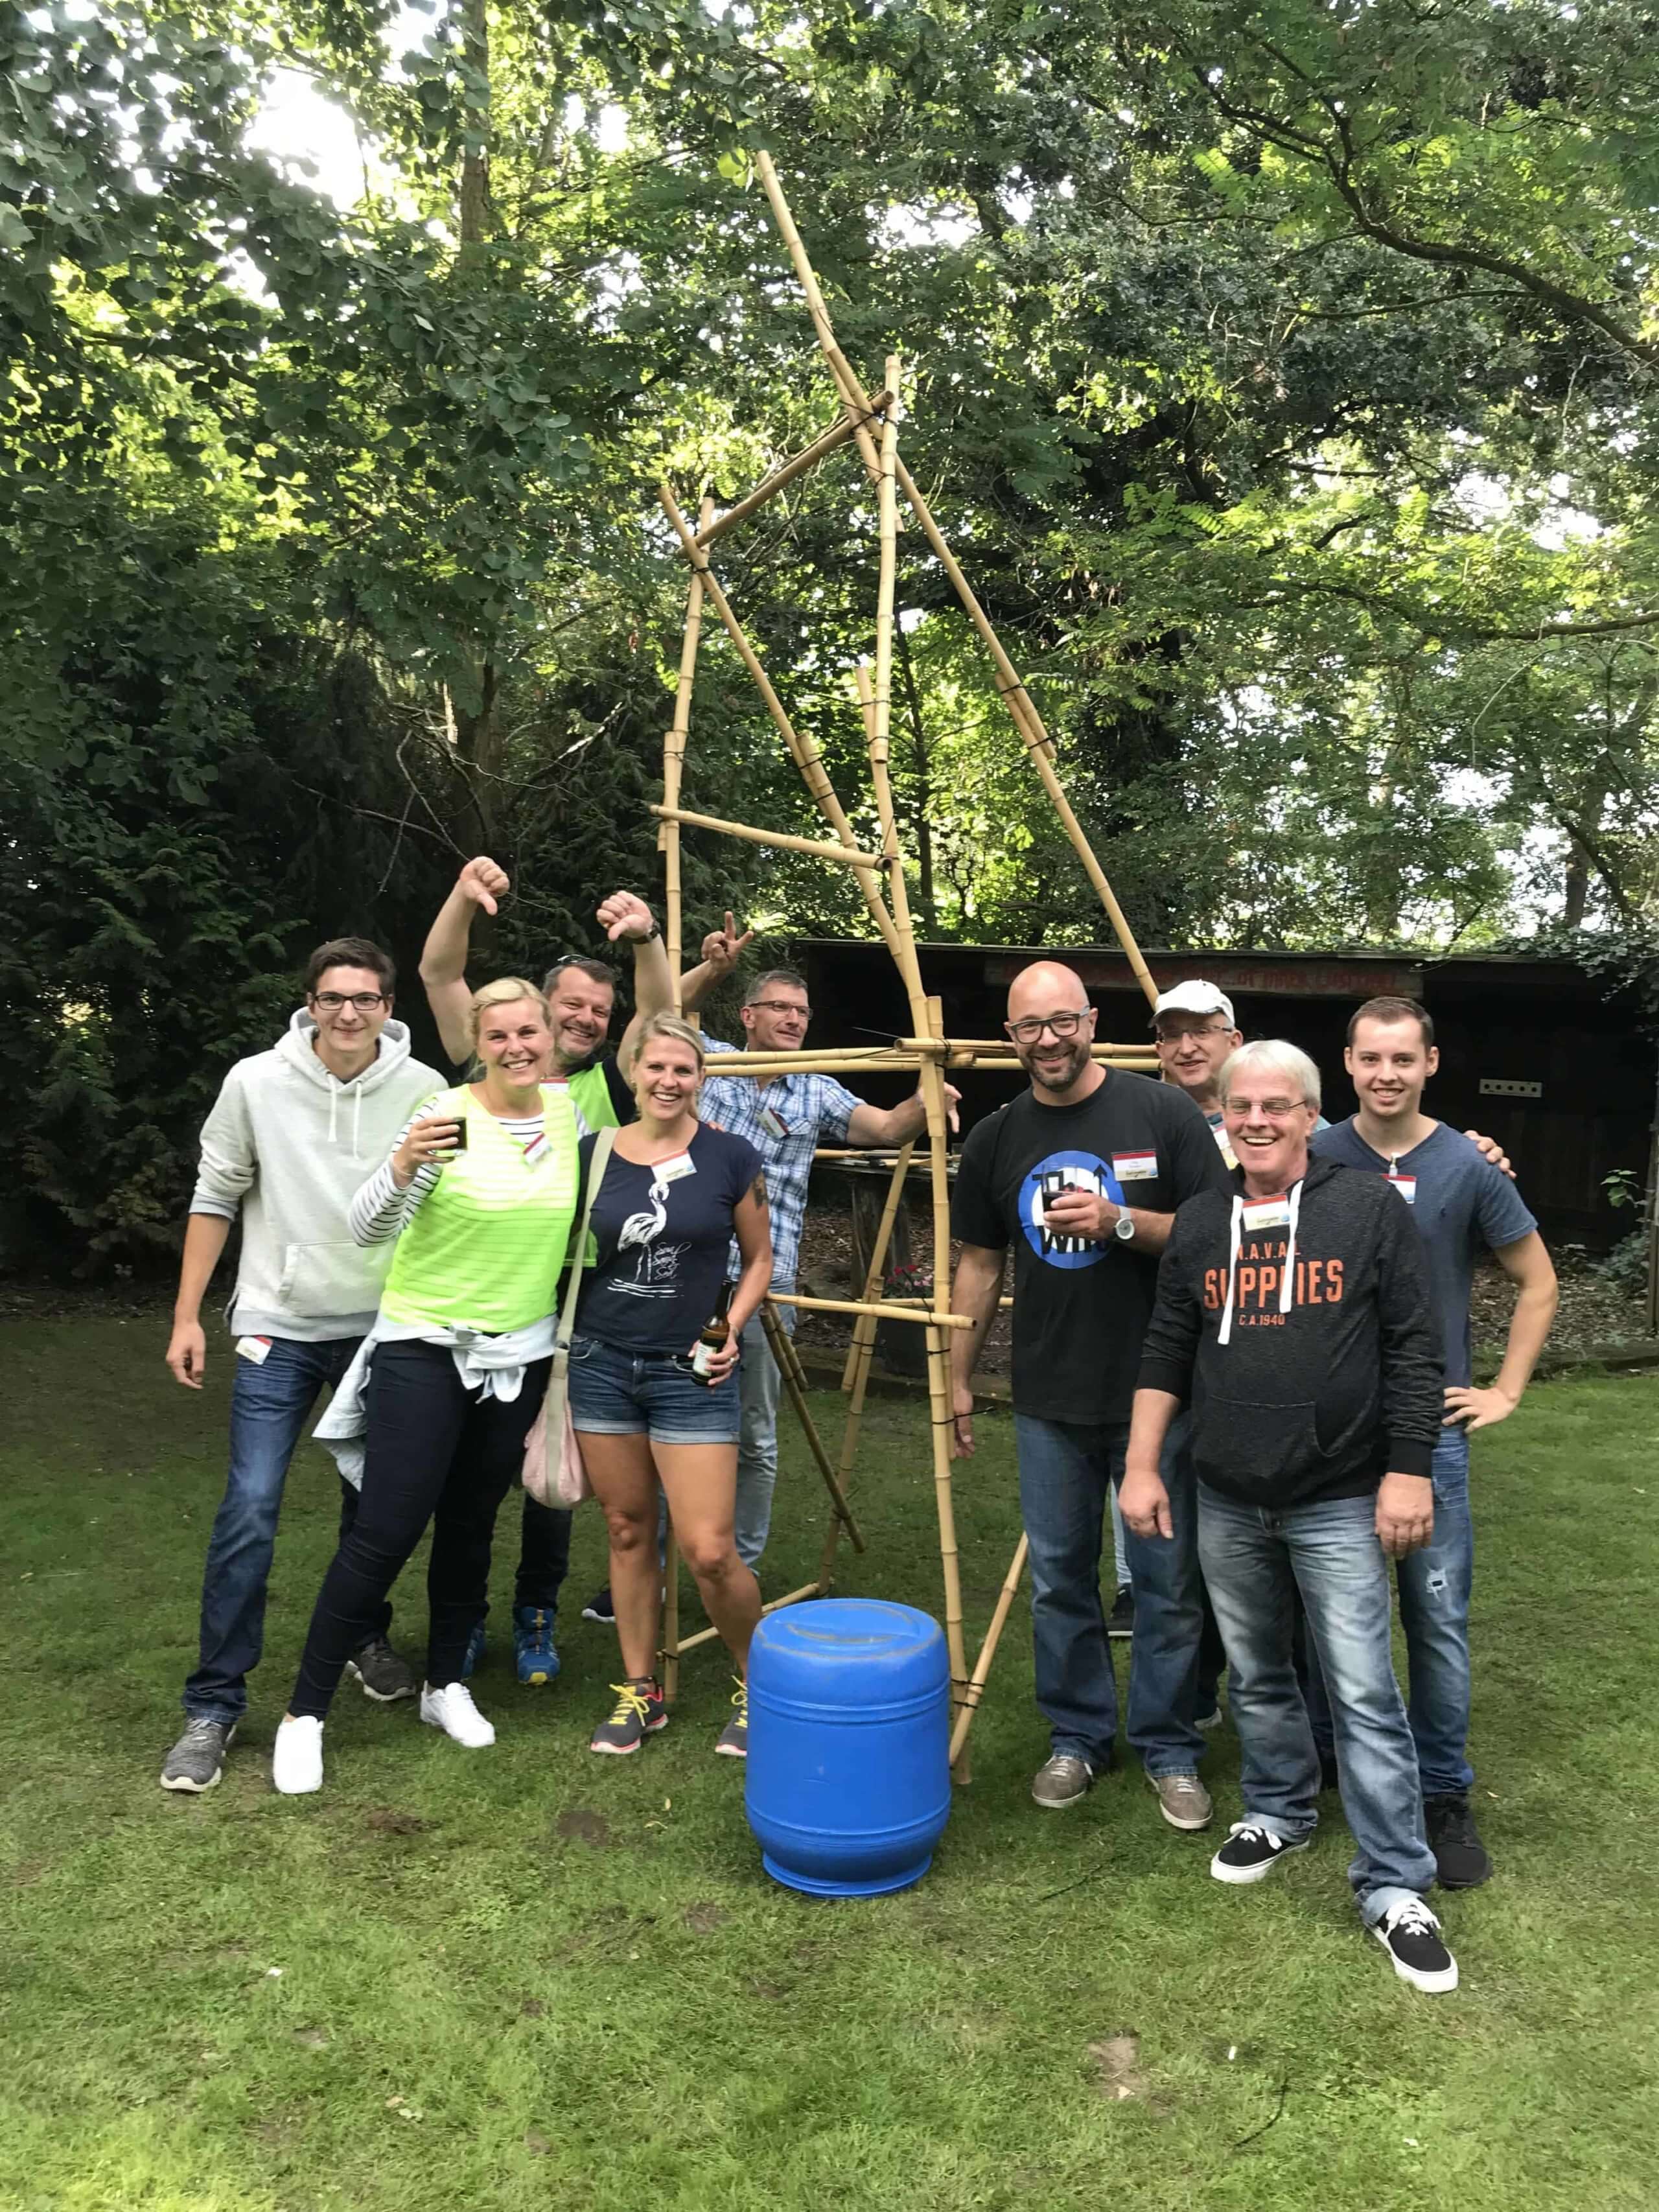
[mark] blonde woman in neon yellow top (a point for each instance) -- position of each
(480, 1192)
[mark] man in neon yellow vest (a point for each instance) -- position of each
(582, 994)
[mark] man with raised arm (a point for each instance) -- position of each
(785, 1117)
(292, 1134)
(1462, 1207)
(1293, 1321)
(1082, 1174)
(582, 994)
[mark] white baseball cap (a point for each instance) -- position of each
(1195, 998)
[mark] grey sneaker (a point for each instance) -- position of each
(197, 1760)
(1062, 1780)
(1182, 1799)
(384, 1675)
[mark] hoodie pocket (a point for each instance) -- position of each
(1239, 1444)
(321, 1281)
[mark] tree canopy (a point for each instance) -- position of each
(1283, 374)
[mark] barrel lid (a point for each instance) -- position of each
(834, 1631)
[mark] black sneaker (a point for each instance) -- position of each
(1410, 1934)
(1120, 1620)
(639, 1712)
(1460, 1856)
(385, 1676)
(1250, 1853)
(599, 1608)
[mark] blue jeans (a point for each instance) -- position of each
(1256, 1559)
(270, 1405)
(759, 1382)
(1067, 1472)
(1434, 1610)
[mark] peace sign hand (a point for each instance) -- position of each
(723, 948)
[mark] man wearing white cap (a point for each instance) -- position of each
(1193, 1032)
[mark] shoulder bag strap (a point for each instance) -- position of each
(596, 1168)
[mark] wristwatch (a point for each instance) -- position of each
(1124, 1228)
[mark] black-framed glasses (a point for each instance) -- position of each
(1031, 1027)
(332, 1001)
(783, 1007)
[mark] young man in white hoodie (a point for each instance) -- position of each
(292, 1134)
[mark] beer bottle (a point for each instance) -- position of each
(713, 1339)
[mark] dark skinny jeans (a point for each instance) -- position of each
(438, 1452)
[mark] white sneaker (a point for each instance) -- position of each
(452, 1710)
(296, 1757)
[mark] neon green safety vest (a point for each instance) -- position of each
(593, 1096)
(485, 1248)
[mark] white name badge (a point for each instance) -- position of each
(1406, 1185)
(674, 1170)
(772, 1122)
(256, 1348)
(1134, 1167)
(1266, 1213)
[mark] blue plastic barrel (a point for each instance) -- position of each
(848, 1785)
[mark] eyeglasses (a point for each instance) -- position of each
(1031, 1027)
(783, 1007)
(332, 1001)
(1275, 1109)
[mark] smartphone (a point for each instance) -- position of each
(460, 1136)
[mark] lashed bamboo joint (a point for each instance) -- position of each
(927, 1051)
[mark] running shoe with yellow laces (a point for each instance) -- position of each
(733, 1741)
(639, 1712)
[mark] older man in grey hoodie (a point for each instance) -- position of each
(292, 1134)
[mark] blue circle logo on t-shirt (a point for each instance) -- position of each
(1065, 1171)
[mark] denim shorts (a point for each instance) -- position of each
(615, 1393)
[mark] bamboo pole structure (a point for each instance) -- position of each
(776, 1605)
(927, 1051)
(781, 478)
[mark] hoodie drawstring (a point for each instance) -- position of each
(333, 1095)
(357, 1123)
(1287, 1284)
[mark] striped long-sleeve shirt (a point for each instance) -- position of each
(381, 1211)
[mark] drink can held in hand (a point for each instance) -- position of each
(459, 1144)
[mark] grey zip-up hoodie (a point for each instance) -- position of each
(288, 1146)
(1302, 1332)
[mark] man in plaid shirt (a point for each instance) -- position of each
(785, 1118)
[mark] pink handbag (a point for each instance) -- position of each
(561, 1479)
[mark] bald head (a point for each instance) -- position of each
(1053, 1026)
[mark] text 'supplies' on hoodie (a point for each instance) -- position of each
(288, 1146)
(1300, 1331)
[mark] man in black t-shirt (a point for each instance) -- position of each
(1082, 1175)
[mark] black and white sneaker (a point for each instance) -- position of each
(1410, 1934)
(1120, 1620)
(599, 1608)
(1250, 1852)
(197, 1760)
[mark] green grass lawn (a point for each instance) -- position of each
(528, 1976)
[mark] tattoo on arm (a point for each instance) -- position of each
(758, 1192)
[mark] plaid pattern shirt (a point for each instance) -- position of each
(811, 1108)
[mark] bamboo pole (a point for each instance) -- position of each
(829, 1061)
(790, 843)
(801, 749)
(808, 458)
(1020, 705)
(673, 763)
(987, 1651)
(883, 1310)
(790, 1597)
(852, 396)
(939, 1393)
(794, 1382)
(1127, 1066)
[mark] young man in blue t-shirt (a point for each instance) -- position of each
(1462, 1203)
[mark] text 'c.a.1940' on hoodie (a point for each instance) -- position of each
(1303, 1338)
